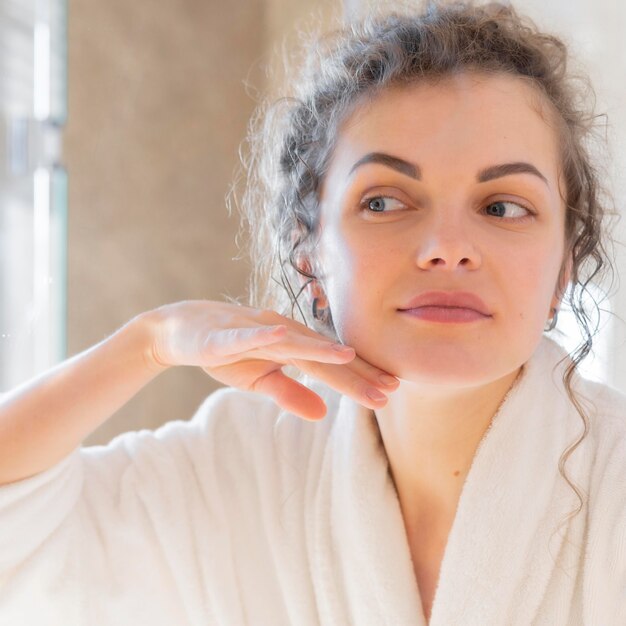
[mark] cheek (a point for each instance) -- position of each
(338, 262)
(530, 281)
(355, 270)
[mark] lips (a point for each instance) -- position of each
(448, 299)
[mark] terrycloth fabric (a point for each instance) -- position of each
(249, 515)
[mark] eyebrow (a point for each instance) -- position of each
(414, 171)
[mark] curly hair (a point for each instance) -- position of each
(292, 139)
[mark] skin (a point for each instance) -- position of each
(437, 235)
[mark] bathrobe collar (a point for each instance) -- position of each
(501, 548)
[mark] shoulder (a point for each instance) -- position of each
(606, 533)
(236, 445)
(225, 423)
(230, 425)
(607, 408)
(251, 426)
(603, 406)
(605, 436)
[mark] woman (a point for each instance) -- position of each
(432, 194)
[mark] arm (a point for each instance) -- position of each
(44, 419)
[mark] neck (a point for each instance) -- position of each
(431, 436)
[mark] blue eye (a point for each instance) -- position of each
(377, 204)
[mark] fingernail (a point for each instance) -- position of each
(385, 379)
(376, 395)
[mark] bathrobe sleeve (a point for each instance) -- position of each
(144, 517)
(33, 509)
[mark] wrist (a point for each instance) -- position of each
(147, 327)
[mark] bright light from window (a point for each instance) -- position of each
(596, 365)
(41, 266)
(41, 73)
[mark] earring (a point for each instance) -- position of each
(551, 326)
(321, 315)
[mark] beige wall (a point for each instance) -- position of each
(157, 109)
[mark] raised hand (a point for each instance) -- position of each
(247, 348)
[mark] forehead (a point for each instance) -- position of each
(457, 124)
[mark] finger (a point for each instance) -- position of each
(358, 379)
(362, 369)
(372, 374)
(291, 395)
(229, 341)
(380, 378)
(289, 346)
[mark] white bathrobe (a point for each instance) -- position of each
(246, 514)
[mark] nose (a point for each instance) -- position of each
(446, 243)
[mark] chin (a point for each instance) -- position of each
(434, 363)
(457, 378)
(436, 371)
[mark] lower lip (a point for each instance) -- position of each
(445, 315)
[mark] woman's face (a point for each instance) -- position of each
(443, 220)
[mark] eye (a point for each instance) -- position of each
(499, 208)
(379, 204)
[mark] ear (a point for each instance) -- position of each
(313, 287)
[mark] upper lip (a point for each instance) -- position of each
(454, 299)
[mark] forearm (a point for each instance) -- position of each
(44, 419)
